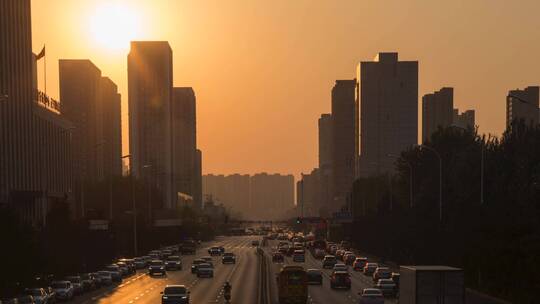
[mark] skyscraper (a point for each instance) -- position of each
(112, 128)
(150, 115)
(465, 119)
(184, 141)
(325, 164)
(35, 139)
(344, 140)
(388, 92)
(523, 105)
(437, 111)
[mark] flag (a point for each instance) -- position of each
(41, 54)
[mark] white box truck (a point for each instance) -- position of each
(431, 285)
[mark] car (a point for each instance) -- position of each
(314, 277)
(395, 277)
(255, 243)
(381, 273)
(166, 253)
(51, 295)
(157, 267)
(350, 258)
(370, 268)
(371, 296)
(214, 251)
(221, 249)
(319, 253)
(340, 267)
(77, 284)
(130, 263)
(39, 295)
(124, 268)
(339, 254)
(359, 263)
(115, 272)
(195, 263)
(175, 294)
(63, 289)
(205, 270)
(340, 279)
(278, 257)
(283, 250)
(140, 262)
(329, 261)
(173, 262)
(228, 258)
(25, 299)
(88, 282)
(299, 256)
(208, 260)
(387, 287)
(106, 277)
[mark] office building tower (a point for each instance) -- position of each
(184, 143)
(233, 191)
(437, 111)
(35, 139)
(310, 194)
(197, 191)
(344, 140)
(150, 115)
(464, 120)
(388, 92)
(325, 163)
(271, 195)
(112, 128)
(523, 105)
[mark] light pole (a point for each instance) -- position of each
(133, 206)
(482, 147)
(410, 178)
(440, 177)
(149, 194)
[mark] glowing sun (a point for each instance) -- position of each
(114, 26)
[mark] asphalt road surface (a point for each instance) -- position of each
(141, 288)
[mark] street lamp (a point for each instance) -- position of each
(133, 207)
(410, 178)
(482, 146)
(440, 176)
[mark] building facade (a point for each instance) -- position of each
(35, 139)
(437, 111)
(523, 105)
(388, 94)
(344, 140)
(112, 128)
(150, 79)
(465, 119)
(184, 140)
(325, 164)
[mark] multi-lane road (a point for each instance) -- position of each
(243, 276)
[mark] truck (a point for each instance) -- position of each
(431, 284)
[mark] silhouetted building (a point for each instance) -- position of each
(344, 140)
(197, 191)
(184, 142)
(523, 105)
(150, 116)
(325, 163)
(232, 190)
(388, 93)
(112, 128)
(35, 139)
(465, 119)
(310, 194)
(437, 111)
(271, 195)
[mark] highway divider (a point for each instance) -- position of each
(263, 290)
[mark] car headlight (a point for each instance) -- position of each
(164, 297)
(161, 267)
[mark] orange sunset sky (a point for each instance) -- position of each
(262, 70)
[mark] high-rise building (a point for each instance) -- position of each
(197, 191)
(465, 119)
(150, 115)
(388, 92)
(271, 195)
(184, 140)
(310, 194)
(344, 140)
(80, 92)
(233, 191)
(325, 164)
(112, 128)
(437, 111)
(35, 139)
(523, 105)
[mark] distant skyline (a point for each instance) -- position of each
(263, 71)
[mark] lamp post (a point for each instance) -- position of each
(133, 206)
(482, 147)
(410, 178)
(440, 177)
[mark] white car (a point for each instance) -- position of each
(371, 296)
(64, 290)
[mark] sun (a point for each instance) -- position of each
(114, 25)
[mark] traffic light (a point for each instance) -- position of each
(299, 220)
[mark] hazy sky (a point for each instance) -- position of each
(262, 70)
